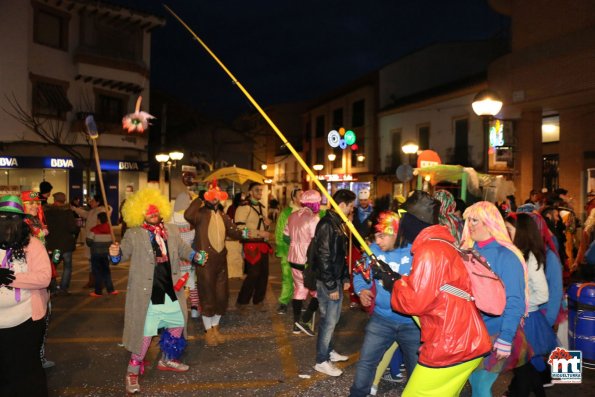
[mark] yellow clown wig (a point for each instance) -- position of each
(388, 223)
(487, 213)
(136, 206)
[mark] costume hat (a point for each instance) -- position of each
(12, 204)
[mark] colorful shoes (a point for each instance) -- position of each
(94, 295)
(132, 385)
(172, 365)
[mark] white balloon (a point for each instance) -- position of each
(334, 138)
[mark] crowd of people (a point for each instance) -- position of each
(422, 330)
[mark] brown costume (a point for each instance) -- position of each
(212, 226)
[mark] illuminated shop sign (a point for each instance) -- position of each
(128, 165)
(337, 177)
(8, 162)
(61, 163)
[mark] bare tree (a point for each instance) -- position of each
(52, 131)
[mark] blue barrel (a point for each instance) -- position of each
(581, 321)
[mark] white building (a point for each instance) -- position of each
(61, 61)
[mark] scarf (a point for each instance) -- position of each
(160, 237)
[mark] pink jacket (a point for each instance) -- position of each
(37, 277)
(300, 228)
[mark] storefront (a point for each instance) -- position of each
(334, 182)
(70, 176)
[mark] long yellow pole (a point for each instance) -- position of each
(279, 133)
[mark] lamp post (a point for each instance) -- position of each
(167, 159)
(361, 158)
(409, 148)
(486, 104)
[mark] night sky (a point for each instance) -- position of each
(285, 51)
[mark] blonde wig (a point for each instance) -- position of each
(487, 213)
(136, 206)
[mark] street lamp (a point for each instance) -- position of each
(176, 156)
(486, 104)
(264, 167)
(318, 168)
(332, 157)
(361, 158)
(410, 148)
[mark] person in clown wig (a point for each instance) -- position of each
(154, 296)
(211, 227)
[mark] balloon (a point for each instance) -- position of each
(342, 144)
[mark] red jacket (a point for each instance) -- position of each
(452, 330)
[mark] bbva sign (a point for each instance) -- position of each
(127, 165)
(61, 163)
(8, 162)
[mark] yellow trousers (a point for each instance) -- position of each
(439, 382)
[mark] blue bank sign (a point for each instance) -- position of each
(66, 163)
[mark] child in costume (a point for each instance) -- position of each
(99, 239)
(211, 227)
(152, 302)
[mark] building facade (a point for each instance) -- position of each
(547, 83)
(62, 61)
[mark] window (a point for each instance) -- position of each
(50, 28)
(319, 126)
(395, 156)
(50, 99)
(461, 153)
(319, 156)
(111, 39)
(358, 118)
(423, 137)
(109, 108)
(337, 118)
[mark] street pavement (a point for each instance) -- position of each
(261, 358)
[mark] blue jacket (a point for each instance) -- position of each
(508, 267)
(399, 260)
(553, 275)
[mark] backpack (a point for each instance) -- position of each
(488, 290)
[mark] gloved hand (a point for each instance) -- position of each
(6, 276)
(383, 272)
(502, 348)
(200, 258)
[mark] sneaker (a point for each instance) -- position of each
(393, 379)
(47, 363)
(172, 365)
(132, 385)
(328, 368)
(373, 390)
(282, 309)
(94, 295)
(304, 327)
(114, 292)
(549, 384)
(194, 313)
(336, 357)
(296, 330)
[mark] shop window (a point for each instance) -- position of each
(337, 118)
(358, 116)
(423, 137)
(50, 99)
(50, 28)
(109, 108)
(320, 128)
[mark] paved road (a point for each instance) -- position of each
(262, 358)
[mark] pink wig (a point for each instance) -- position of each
(487, 213)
